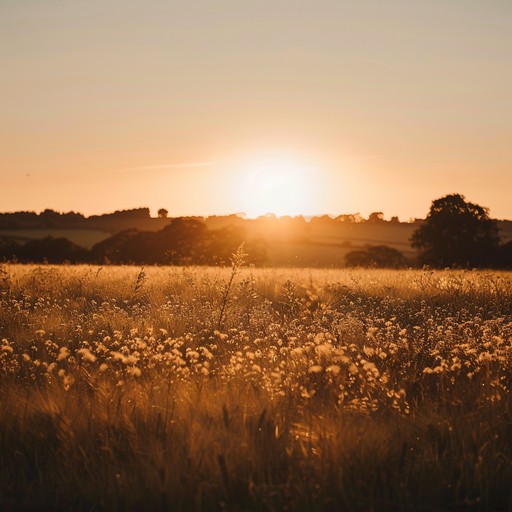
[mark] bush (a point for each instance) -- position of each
(376, 256)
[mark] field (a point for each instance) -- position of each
(84, 237)
(254, 389)
(314, 244)
(317, 246)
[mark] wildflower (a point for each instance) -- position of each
(67, 380)
(370, 367)
(368, 351)
(134, 371)
(192, 355)
(297, 353)
(485, 357)
(220, 335)
(322, 338)
(63, 353)
(333, 369)
(87, 355)
(324, 349)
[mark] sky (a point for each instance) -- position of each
(224, 106)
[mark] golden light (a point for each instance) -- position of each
(277, 185)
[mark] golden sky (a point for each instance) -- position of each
(221, 106)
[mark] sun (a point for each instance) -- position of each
(275, 185)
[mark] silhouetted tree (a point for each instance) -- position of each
(504, 259)
(223, 243)
(376, 217)
(457, 233)
(15, 220)
(377, 256)
(72, 217)
(133, 214)
(49, 214)
(8, 248)
(349, 218)
(163, 213)
(321, 219)
(49, 218)
(52, 250)
(182, 241)
(124, 247)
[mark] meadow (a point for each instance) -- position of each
(182, 388)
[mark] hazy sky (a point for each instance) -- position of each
(377, 105)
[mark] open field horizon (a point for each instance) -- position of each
(213, 341)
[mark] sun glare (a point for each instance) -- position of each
(277, 186)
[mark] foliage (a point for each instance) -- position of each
(182, 241)
(134, 213)
(376, 256)
(321, 390)
(48, 249)
(457, 233)
(376, 217)
(504, 259)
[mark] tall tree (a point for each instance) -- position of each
(457, 233)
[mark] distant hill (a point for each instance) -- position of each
(290, 241)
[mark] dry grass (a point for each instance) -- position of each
(207, 389)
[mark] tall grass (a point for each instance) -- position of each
(244, 389)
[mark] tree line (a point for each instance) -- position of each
(182, 242)
(456, 233)
(141, 218)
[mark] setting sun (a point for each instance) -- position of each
(255, 255)
(276, 185)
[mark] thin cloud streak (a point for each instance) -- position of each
(173, 165)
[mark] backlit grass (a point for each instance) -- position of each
(254, 389)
